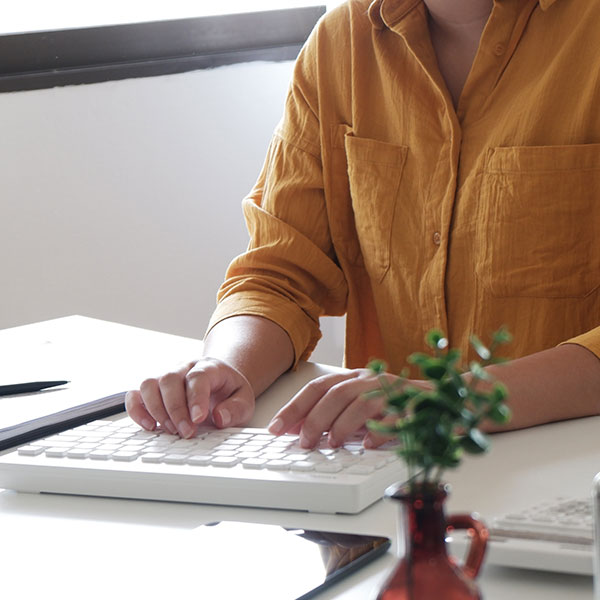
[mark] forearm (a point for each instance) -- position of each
(553, 385)
(255, 346)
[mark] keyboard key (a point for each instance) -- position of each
(56, 452)
(134, 442)
(254, 463)
(184, 444)
(174, 459)
(100, 454)
(279, 443)
(246, 454)
(229, 443)
(224, 461)
(278, 465)
(273, 455)
(199, 460)
(30, 450)
(152, 457)
(303, 465)
(223, 452)
(255, 443)
(78, 452)
(124, 456)
(294, 457)
(145, 435)
(158, 444)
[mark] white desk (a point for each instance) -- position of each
(69, 547)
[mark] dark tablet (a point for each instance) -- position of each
(250, 560)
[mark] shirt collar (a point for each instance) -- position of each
(383, 13)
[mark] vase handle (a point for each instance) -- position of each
(479, 535)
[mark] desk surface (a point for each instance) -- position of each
(93, 547)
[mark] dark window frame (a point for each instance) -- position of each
(38, 60)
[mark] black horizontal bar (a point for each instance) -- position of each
(71, 56)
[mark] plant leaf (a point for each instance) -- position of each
(478, 371)
(502, 336)
(377, 366)
(482, 350)
(436, 339)
(475, 442)
(435, 369)
(500, 414)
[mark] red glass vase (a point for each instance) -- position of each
(425, 570)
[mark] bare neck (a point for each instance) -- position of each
(455, 27)
(459, 15)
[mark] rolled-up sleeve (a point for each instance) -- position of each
(289, 273)
(589, 340)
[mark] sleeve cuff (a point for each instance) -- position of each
(304, 333)
(589, 339)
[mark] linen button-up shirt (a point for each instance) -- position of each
(382, 201)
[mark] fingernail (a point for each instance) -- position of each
(197, 414)
(333, 443)
(185, 429)
(275, 426)
(368, 442)
(225, 417)
(304, 441)
(148, 424)
(168, 424)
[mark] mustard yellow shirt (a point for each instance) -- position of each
(381, 201)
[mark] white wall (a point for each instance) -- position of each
(121, 200)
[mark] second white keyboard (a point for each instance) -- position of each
(564, 520)
(556, 535)
(234, 466)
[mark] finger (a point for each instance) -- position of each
(374, 439)
(342, 411)
(296, 410)
(173, 391)
(153, 401)
(235, 411)
(358, 412)
(215, 383)
(137, 411)
(202, 381)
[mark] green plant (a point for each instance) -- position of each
(440, 421)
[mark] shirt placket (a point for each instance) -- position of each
(498, 43)
(439, 197)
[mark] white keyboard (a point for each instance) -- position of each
(564, 520)
(555, 535)
(234, 466)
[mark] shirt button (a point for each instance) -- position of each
(437, 238)
(499, 49)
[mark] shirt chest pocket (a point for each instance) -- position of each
(374, 174)
(538, 221)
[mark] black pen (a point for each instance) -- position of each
(29, 387)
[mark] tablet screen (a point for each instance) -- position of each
(250, 560)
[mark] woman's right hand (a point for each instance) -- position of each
(205, 391)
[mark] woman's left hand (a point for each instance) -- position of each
(334, 403)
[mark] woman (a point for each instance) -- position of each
(438, 165)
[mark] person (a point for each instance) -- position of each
(437, 165)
